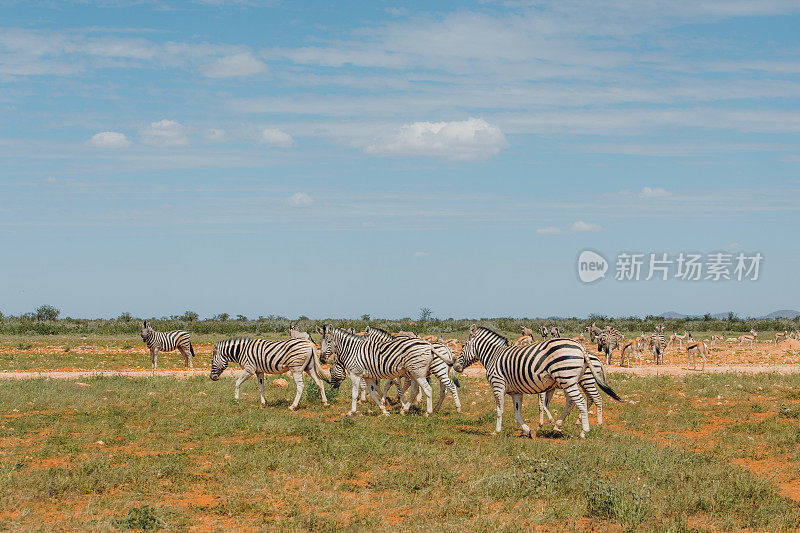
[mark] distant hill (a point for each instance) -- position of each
(783, 313)
(672, 314)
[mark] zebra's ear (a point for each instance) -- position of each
(319, 330)
(472, 329)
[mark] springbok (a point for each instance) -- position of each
(751, 337)
(781, 336)
(715, 340)
(627, 348)
(699, 348)
(527, 332)
(296, 333)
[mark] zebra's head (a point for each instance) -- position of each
(338, 372)
(218, 362)
(328, 344)
(468, 353)
(146, 329)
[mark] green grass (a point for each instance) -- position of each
(176, 453)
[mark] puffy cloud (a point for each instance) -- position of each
(276, 137)
(165, 133)
(580, 225)
(459, 140)
(655, 192)
(300, 199)
(243, 64)
(109, 139)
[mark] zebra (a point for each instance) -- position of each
(658, 343)
(440, 367)
(518, 370)
(364, 358)
(166, 342)
(609, 340)
(594, 331)
(260, 356)
(543, 331)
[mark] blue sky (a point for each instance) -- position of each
(334, 159)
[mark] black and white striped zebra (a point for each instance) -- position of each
(658, 344)
(441, 363)
(609, 340)
(259, 356)
(166, 342)
(519, 370)
(372, 360)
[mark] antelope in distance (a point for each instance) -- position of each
(543, 331)
(295, 333)
(695, 349)
(631, 346)
(781, 336)
(716, 340)
(527, 332)
(749, 337)
(555, 332)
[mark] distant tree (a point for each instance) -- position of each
(707, 317)
(222, 317)
(190, 316)
(732, 317)
(425, 314)
(125, 317)
(1, 315)
(241, 318)
(365, 317)
(303, 317)
(47, 312)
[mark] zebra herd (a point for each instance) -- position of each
(407, 361)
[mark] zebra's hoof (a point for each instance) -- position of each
(292, 407)
(326, 404)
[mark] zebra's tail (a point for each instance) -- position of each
(600, 379)
(191, 349)
(454, 377)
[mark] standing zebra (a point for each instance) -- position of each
(658, 343)
(518, 370)
(594, 331)
(441, 363)
(166, 342)
(260, 356)
(609, 340)
(364, 358)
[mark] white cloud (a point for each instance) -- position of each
(164, 133)
(243, 64)
(109, 139)
(300, 199)
(549, 230)
(580, 225)
(276, 137)
(216, 135)
(459, 140)
(656, 192)
(421, 254)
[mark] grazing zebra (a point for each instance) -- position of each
(751, 337)
(364, 358)
(607, 341)
(166, 342)
(543, 331)
(297, 334)
(701, 348)
(259, 357)
(658, 343)
(440, 367)
(519, 370)
(555, 332)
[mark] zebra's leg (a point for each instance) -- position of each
(313, 373)
(372, 386)
(544, 401)
(499, 396)
(517, 399)
(260, 376)
(426, 388)
(298, 380)
(385, 391)
(573, 392)
(363, 387)
(185, 356)
(154, 357)
(355, 383)
(244, 376)
(442, 374)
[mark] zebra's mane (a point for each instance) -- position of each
(382, 331)
(348, 335)
(494, 335)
